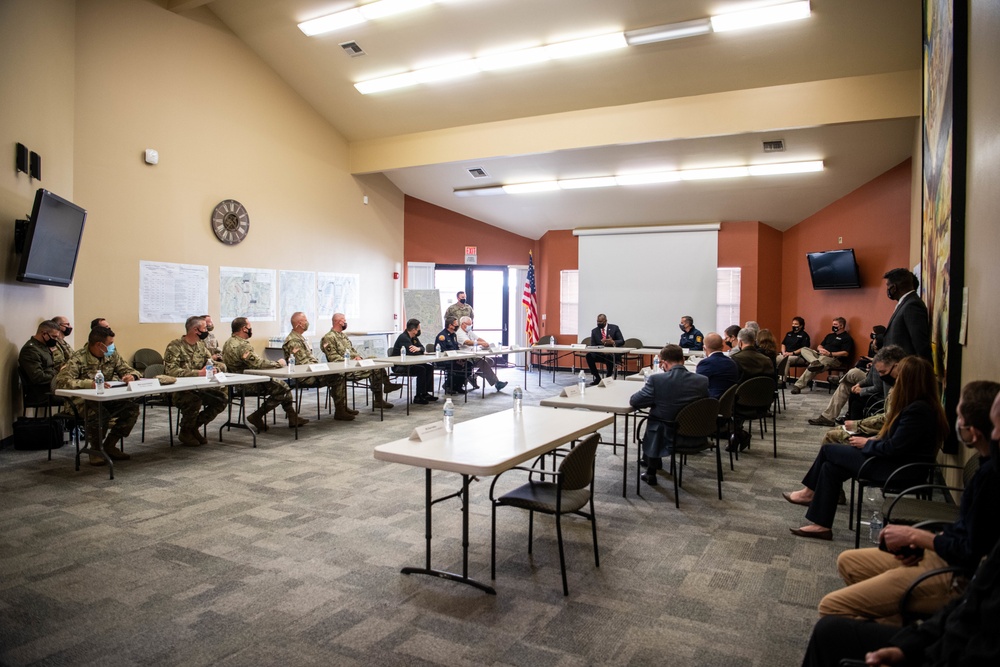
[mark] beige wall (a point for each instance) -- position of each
(225, 126)
(980, 360)
(36, 86)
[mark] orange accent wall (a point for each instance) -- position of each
(875, 221)
(756, 249)
(435, 234)
(557, 251)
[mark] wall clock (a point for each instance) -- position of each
(230, 221)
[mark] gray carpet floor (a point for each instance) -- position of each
(290, 554)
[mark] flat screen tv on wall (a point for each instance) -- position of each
(834, 269)
(52, 241)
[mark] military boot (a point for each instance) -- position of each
(113, 452)
(294, 419)
(189, 436)
(258, 420)
(379, 401)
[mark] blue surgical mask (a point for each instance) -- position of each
(110, 351)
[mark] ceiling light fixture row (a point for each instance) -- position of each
(751, 18)
(646, 178)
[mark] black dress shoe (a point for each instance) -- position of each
(649, 477)
(840, 420)
(595, 382)
(430, 397)
(643, 462)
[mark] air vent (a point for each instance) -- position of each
(478, 172)
(352, 49)
(774, 146)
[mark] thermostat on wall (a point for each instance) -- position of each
(152, 157)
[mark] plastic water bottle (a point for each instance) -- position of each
(99, 382)
(581, 382)
(209, 369)
(875, 526)
(552, 340)
(347, 358)
(518, 399)
(437, 350)
(402, 351)
(449, 416)
(291, 363)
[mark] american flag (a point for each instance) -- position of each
(531, 303)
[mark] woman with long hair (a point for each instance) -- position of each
(915, 427)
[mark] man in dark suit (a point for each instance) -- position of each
(909, 326)
(721, 371)
(608, 335)
(666, 393)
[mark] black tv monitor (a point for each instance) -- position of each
(52, 241)
(834, 269)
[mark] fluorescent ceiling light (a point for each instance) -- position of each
(494, 61)
(360, 14)
(664, 33)
(786, 168)
(718, 172)
(650, 177)
(597, 182)
(523, 188)
(752, 18)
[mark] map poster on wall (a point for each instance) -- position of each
(171, 292)
(425, 305)
(247, 293)
(339, 293)
(297, 291)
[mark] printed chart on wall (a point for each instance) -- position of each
(296, 292)
(339, 293)
(171, 292)
(246, 293)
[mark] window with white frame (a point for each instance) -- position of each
(569, 302)
(727, 298)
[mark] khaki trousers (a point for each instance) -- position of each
(876, 582)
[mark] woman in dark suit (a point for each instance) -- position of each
(915, 427)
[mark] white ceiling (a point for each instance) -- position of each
(842, 39)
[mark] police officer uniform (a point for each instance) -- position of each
(692, 340)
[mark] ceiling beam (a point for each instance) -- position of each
(808, 104)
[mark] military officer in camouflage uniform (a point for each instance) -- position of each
(118, 416)
(63, 350)
(459, 309)
(186, 357)
(212, 342)
(238, 355)
(337, 346)
(296, 346)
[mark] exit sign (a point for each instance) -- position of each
(470, 255)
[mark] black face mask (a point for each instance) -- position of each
(891, 292)
(462, 301)
(417, 335)
(50, 342)
(873, 336)
(249, 333)
(796, 328)
(887, 379)
(202, 335)
(682, 327)
(67, 331)
(835, 329)
(729, 343)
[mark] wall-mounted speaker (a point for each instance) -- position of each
(35, 165)
(21, 159)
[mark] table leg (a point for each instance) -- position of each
(240, 418)
(427, 569)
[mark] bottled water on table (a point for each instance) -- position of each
(291, 363)
(449, 416)
(875, 526)
(518, 398)
(99, 382)
(402, 351)
(581, 382)
(552, 340)
(209, 369)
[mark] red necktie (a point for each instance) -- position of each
(604, 334)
